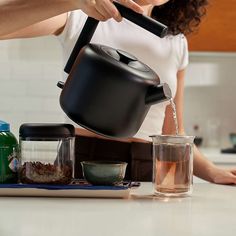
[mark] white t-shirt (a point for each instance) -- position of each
(165, 56)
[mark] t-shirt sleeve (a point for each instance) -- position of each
(70, 34)
(184, 55)
(74, 24)
(67, 38)
(66, 31)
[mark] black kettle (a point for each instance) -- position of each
(109, 91)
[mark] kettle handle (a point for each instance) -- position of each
(143, 21)
(84, 38)
(90, 26)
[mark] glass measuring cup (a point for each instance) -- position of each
(172, 165)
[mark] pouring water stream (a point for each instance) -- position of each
(173, 106)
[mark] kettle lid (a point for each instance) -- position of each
(125, 58)
(127, 61)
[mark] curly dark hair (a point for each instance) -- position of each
(181, 16)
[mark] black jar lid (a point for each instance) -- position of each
(46, 130)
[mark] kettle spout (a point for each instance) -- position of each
(159, 93)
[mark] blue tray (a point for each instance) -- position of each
(76, 189)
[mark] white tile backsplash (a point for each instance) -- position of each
(24, 70)
(51, 105)
(43, 88)
(4, 53)
(52, 70)
(202, 74)
(19, 88)
(210, 97)
(5, 68)
(19, 103)
(29, 71)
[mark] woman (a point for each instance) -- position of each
(167, 56)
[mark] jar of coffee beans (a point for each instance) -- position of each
(46, 153)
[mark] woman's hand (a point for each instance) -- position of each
(223, 176)
(104, 9)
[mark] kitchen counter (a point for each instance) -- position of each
(215, 155)
(210, 211)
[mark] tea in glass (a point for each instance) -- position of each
(172, 165)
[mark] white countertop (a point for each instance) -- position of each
(215, 155)
(210, 211)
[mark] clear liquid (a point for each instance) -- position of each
(172, 103)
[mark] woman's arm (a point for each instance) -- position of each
(202, 167)
(52, 26)
(19, 14)
(16, 15)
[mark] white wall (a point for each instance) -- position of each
(29, 71)
(210, 96)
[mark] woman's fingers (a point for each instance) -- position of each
(132, 5)
(105, 9)
(94, 14)
(114, 13)
(232, 179)
(233, 171)
(90, 2)
(223, 176)
(89, 8)
(98, 16)
(103, 12)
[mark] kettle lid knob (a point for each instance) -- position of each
(126, 57)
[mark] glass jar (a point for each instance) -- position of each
(172, 165)
(46, 153)
(8, 154)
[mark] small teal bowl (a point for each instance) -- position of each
(104, 172)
